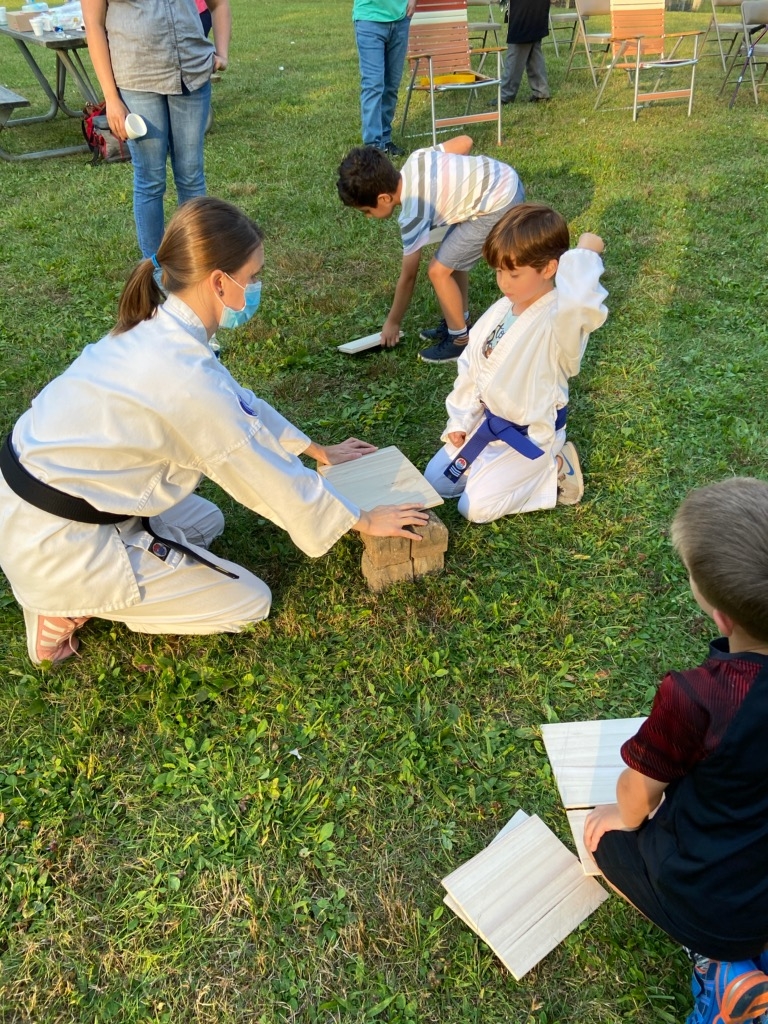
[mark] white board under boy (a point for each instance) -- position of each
(576, 819)
(524, 894)
(586, 758)
(386, 477)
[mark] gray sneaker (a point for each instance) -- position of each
(570, 481)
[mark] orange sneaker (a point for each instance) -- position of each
(51, 637)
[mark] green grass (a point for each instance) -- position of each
(165, 856)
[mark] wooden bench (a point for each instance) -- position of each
(8, 102)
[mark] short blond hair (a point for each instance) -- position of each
(721, 533)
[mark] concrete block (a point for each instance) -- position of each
(434, 538)
(426, 566)
(379, 578)
(384, 551)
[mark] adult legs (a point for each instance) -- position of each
(372, 39)
(514, 66)
(188, 114)
(536, 69)
(394, 59)
(180, 595)
(149, 155)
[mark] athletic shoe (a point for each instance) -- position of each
(439, 333)
(392, 150)
(570, 482)
(446, 351)
(51, 637)
(728, 992)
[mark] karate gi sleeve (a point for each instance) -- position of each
(464, 405)
(580, 306)
(262, 472)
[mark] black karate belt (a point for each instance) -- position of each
(78, 510)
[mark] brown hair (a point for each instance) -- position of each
(365, 173)
(721, 533)
(204, 235)
(530, 235)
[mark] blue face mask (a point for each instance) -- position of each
(237, 317)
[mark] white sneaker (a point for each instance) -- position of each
(570, 482)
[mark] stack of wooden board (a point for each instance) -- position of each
(586, 762)
(523, 894)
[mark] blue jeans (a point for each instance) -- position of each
(175, 125)
(381, 46)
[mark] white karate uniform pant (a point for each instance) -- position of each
(180, 595)
(499, 482)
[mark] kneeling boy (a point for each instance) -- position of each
(699, 867)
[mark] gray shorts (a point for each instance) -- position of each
(462, 246)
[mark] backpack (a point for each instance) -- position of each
(106, 147)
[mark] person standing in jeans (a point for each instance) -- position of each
(381, 32)
(528, 25)
(151, 58)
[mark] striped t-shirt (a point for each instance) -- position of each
(440, 188)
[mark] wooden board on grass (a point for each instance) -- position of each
(351, 348)
(385, 477)
(576, 819)
(586, 758)
(524, 894)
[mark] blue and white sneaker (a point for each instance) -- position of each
(728, 992)
(570, 481)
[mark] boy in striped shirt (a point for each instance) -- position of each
(438, 187)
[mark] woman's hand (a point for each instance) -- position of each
(392, 521)
(116, 115)
(333, 454)
(605, 818)
(457, 438)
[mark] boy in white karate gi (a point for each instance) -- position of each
(505, 447)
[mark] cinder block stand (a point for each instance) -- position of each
(388, 560)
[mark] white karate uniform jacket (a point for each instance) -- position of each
(525, 378)
(132, 426)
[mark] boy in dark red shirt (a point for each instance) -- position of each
(699, 867)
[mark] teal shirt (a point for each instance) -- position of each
(379, 10)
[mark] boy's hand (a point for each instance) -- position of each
(457, 438)
(390, 333)
(590, 241)
(605, 818)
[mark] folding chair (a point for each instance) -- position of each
(564, 22)
(726, 34)
(639, 45)
(753, 48)
(440, 57)
(490, 27)
(595, 44)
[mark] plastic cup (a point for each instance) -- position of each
(135, 126)
(37, 26)
(3, 16)
(47, 22)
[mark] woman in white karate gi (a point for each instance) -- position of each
(98, 515)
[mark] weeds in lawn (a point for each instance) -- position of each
(253, 828)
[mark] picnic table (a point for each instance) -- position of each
(65, 45)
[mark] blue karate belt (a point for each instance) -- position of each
(496, 428)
